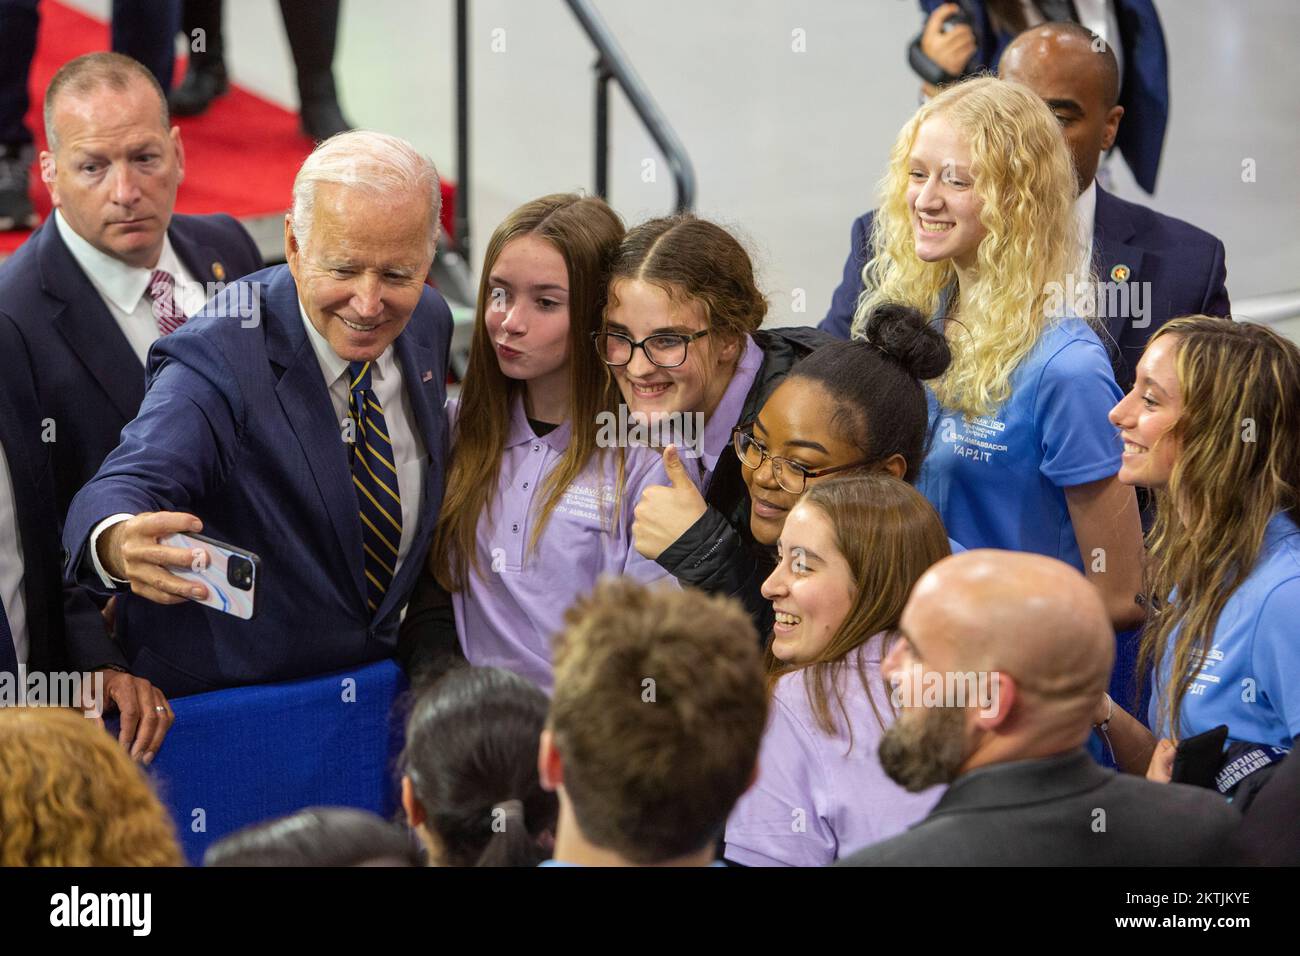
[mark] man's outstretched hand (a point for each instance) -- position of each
(130, 551)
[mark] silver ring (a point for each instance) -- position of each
(161, 710)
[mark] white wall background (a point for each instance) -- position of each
(786, 146)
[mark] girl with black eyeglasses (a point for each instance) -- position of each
(681, 339)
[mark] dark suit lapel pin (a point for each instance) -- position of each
(427, 376)
(218, 271)
(1120, 273)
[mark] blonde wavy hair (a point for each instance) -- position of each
(1238, 464)
(70, 796)
(1022, 172)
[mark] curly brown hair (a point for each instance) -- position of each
(70, 796)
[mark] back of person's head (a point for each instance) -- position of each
(1236, 465)
(1022, 175)
(888, 535)
(874, 384)
(317, 836)
(471, 759)
(70, 796)
(1005, 658)
(585, 232)
(658, 711)
(93, 71)
(692, 259)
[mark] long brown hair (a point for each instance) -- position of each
(1238, 465)
(890, 535)
(694, 260)
(586, 233)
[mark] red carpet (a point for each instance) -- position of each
(240, 156)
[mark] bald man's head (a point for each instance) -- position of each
(1076, 74)
(1032, 617)
(1030, 628)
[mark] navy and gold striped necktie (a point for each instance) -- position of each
(375, 477)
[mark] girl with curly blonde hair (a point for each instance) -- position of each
(975, 228)
(70, 796)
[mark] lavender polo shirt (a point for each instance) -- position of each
(515, 602)
(717, 430)
(813, 802)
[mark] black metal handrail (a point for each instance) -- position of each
(611, 64)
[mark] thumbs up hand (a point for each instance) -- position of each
(666, 512)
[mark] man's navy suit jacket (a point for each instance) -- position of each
(1145, 91)
(64, 627)
(1184, 266)
(88, 378)
(237, 428)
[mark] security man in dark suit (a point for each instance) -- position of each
(113, 270)
(1153, 267)
(46, 626)
(1000, 665)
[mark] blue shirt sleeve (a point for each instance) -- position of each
(1076, 391)
(1275, 656)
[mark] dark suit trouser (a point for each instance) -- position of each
(205, 15)
(18, 22)
(146, 30)
(311, 25)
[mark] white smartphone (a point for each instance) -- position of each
(230, 574)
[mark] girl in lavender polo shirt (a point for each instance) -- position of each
(850, 551)
(682, 339)
(537, 505)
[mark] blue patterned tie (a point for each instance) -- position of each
(375, 479)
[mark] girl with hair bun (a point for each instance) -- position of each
(856, 405)
(681, 339)
(975, 227)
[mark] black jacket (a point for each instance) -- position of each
(718, 554)
(1062, 811)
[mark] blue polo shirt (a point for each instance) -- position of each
(1250, 678)
(999, 481)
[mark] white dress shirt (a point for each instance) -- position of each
(403, 435)
(123, 287)
(1085, 220)
(11, 563)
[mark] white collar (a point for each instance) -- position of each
(121, 284)
(332, 365)
(1085, 208)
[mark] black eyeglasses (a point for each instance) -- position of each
(790, 475)
(665, 349)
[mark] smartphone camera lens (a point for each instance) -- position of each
(239, 572)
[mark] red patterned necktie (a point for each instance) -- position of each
(162, 289)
